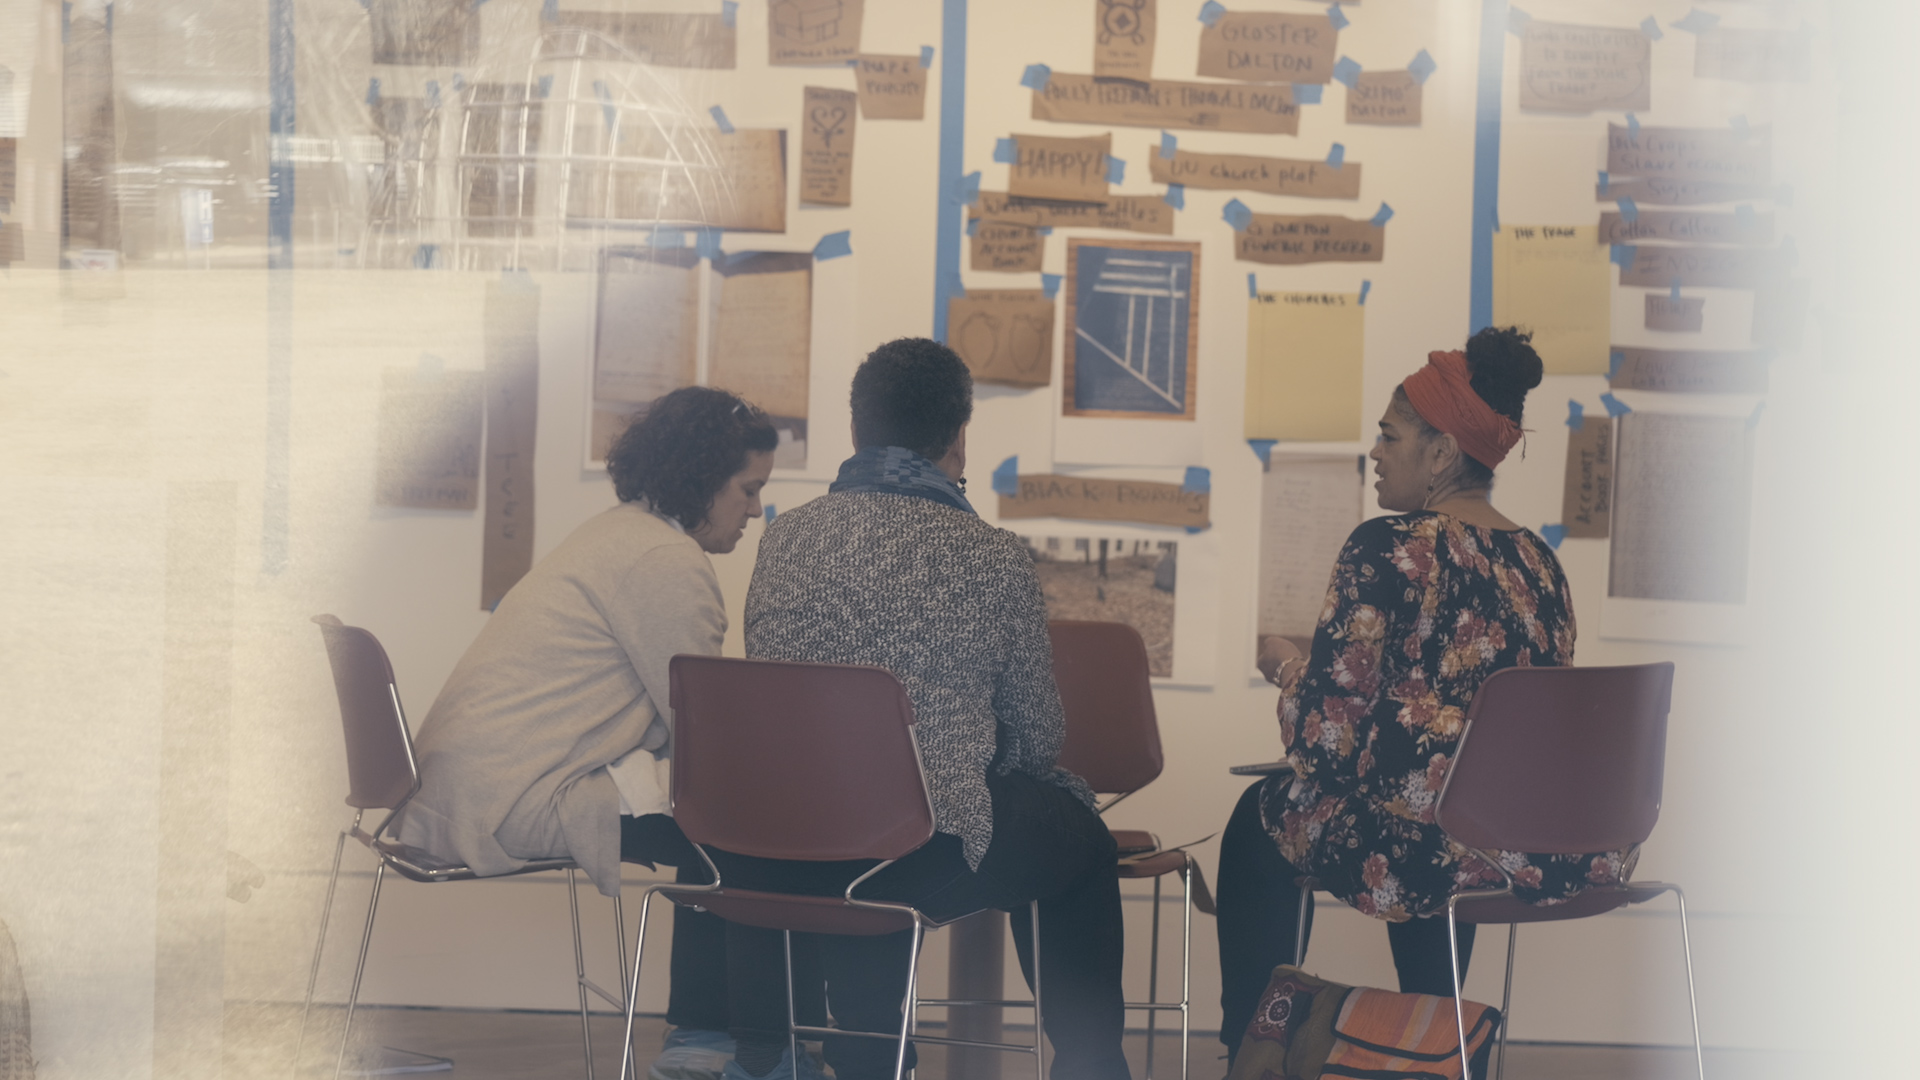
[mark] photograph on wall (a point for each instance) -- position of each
(1131, 340)
(1308, 506)
(1112, 579)
(1682, 493)
(760, 339)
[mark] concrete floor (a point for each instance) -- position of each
(488, 1045)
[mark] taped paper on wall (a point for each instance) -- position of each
(1386, 98)
(999, 247)
(646, 327)
(1742, 55)
(1269, 47)
(512, 328)
(802, 33)
(1555, 281)
(1686, 226)
(673, 40)
(1670, 314)
(1121, 579)
(1707, 155)
(429, 439)
(1004, 335)
(1132, 330)
(1159, 103)
(761, 339)
(1308, 506)
(1586, 502)
(1121, 213)
(826, 145)
(1071, 170)
(1123, 38)
(1569, 68)
(1291, 240)
(1690, 371)
(1682, 492)
(1242, 172)
(891, 87)
(1305, 352)
(1088, 498)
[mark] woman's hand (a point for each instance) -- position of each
(1275, 653)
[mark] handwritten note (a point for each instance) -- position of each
(1240, 172)
(1123, 38)
(1389, 98)
(891, 87)
(1731, 268)
(1690, 371)
(662, 40)
(1158, 103)
(1555, 281)
(1004, 335)
(1742, 55)
(512, 329)
(1670, 314)
(646, 326)
(429, 439)
(1722, 155)
(1125, 213)
(1268, 47)
(1693, 226)
(1308, 505)
(826, 146)
(1007, 249)
(1290, 240)
(762, 333)
(1586, 500)
(806, 32)
(1046, 167)
(1682, 495)
(1089, 499)
(1304, 359)
(1659, 192)
(1568, 68)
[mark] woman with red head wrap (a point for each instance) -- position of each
(1423, 606)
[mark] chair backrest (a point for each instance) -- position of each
(796, 761)
(1560, 760)
(1113, 736)
(380, 767)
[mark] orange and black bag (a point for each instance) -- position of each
(1307, 1028)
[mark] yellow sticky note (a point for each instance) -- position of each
(1304, 352)
(1556, 281)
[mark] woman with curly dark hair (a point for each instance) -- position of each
(545, 739)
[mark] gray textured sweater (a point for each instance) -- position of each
(950, 605)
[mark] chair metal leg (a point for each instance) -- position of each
(580, 969)
(1459, 1013)
(1693, 1004)
(793, 1038)
(1506, 1003)
(359, 968)
(1186, 961)
(1153, 977)
(628, 1066)
(1039, 1038)
(620, 947)
(908, 1003)
(1300, 927)
(313, 971)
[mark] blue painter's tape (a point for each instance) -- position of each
(1236, 214)
(433, 94)
(1116, 170)
(1169, 145)
(546, 86)
(1253, 287)
(730, 14)
(1553, 535)
(1211, 11)
(1576, 414)
(1629, 211)
(1753, 418)
(926, 56)
(1517, 21)
(973, 226)
(1496, 218)
(1050, 284)
(1650, 26)
(1603, 181)
(1633, 126)
(720, 120)
(1176, 196)
(1615, 407)
(1191, 529)
(1198, 479)
(1339, 18)
(373, 91)
(1366, 286)
(1744, 214)
(1036, 76)
(1696, 22)
(1006, 477)
(833, 245)
(771, 513)
(1486, 162)
(459, 82)
(1262, 448)
(1422, 66)
(1306, 93)
(970, 188)
(706, 244)
(1004, 151)
(1614, 359)
(550, 10)
(1337, 156)
(957, 188)
(1345, 71)
(1621, 255)
(666, 236)
(425, 256)
(1381, 216)
(1673, 290)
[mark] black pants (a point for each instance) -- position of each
(1047, 846)
(1258, 895)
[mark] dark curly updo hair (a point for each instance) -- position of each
(683, 449)
(1501, 367)
(913, 393)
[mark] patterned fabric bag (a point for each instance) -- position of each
(1307, 1028)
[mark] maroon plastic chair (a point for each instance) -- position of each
(1559, 761)
(1113, 743)
(382, 775)
(813, 762)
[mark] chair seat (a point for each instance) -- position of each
(1135, 842)
(416, 864)
(1504, 907)
(801, 914)
(1159, 864)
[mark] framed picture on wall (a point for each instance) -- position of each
(1132, 333)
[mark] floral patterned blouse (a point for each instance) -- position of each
(1421, 609)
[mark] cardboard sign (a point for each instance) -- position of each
(801, 33)
(661, 39)
(1586, 500)
(1126, 213)
(1723, 155)
(1740, 55)
(1686, 226)
(1157, 103)
(1675, 315)
(1690, 371)
(1290, 240)
(512, 327)
(1240, 172)
(1004, 248)
(1730, 268)
(1388, 98)
(1568, 68)
(1046, 167)
(1089, 499)
(1662, 192)
(1269, 47)
(1123, 33)
(826, 146)
(1004, 335)
(891, 87)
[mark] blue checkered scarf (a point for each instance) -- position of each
(899, 471)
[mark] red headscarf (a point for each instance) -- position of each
(1442, 393)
